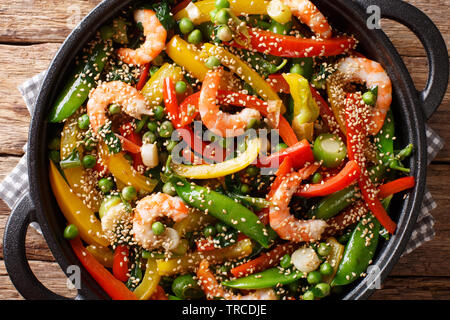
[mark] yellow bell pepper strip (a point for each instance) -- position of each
(75, 210)
(149, 282)
(306, 110)
(122, 170)
(209, 171)
(103, 254)
(113, 287)
(194, 221)
(199, 11)
(78, 177)
(190, 262)
(244, 71)
(186, 55)
(152, 90)
(333, 258)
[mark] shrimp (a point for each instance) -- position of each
(308, 14)
(360, 69)
(148, 210)
(132, 101)
(220, 123)
(285, 224)
(214, 290)
(155, 39)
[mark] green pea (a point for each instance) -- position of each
(105, 185)
(89, 161)
(219, 4)
(172, 144)
(152, 126)
(55, 156)
(209, 231)
(158, 112)
(180, 87)
(186, 287)
(225, 34)
(166, 129)
(323, 249)
(369, 98)
(222, 16)
(252, 171)
(71, 232)
(212, 62)
(54, 143)
(169, 189)
(129, 193)
(314, 277)
(83, 122)
(245, 188)
(158, 228)
(153, 70)
(308, 295)
(279, 28)
(326, 269)
(149, 137)
(114, 108)
(221, 227)
(322, 290)
(285, 261)
(195, 37)
(280, 146)
(186, 25)
(316, 178)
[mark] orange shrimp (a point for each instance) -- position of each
(360, 69)
(308, 14)
(148, 210)
(132, 101)
(219, 122)
(285, 224)
(155, 39)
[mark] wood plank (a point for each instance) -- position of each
(414, 288)
(49, 273)
(53, 20)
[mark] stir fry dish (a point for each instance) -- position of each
(225, 149)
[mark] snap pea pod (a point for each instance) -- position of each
(255, 203)
(224, 209)
(359, 250)
(260, 64)
(80, 82)
(267, 279)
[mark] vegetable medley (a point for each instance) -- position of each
(225, 149)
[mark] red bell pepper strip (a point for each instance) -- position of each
(284, 169)
(120, 263)
(208, 281)
(396, 186)
(205, 244)
(127, 131)
(113, 287)
(128, 146)
(171, 102)
(349, 174)
(144, 75)
(264, 261)
(278, 83)
(292, 47)
(159, 294)
(300, 154)
(356, 134)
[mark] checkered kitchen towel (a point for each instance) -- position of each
(16, 183)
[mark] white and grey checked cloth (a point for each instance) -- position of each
(16, 183)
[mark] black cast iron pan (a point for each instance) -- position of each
(411, 109)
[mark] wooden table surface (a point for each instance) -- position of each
(32, 30)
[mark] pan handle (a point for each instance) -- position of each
(16, 262)
(427, 32)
